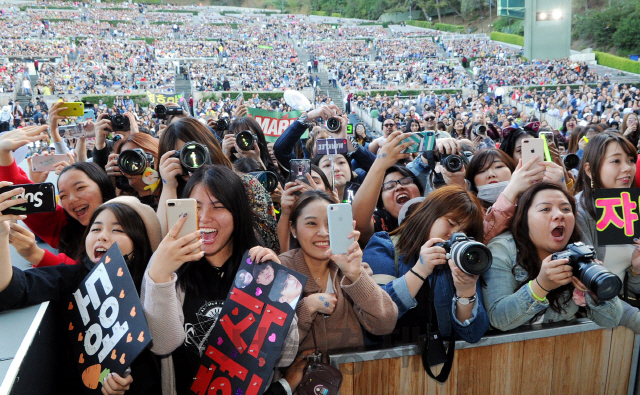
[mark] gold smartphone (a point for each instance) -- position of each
(175, 209)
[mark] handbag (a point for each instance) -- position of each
(319, 377)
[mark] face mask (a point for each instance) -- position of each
(490, 192)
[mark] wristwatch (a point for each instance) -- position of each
(465, 301)
(303, 119)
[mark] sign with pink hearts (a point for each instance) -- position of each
(247, 339)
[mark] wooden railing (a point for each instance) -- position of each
(579, 358)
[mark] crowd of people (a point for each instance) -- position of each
(523, 210)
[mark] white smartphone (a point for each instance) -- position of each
(42, 163)
(531, 148)
(340, 218)
(175, 209)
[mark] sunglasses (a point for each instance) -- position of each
(387, 125)
(429, 118)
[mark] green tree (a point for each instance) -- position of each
(627, 35)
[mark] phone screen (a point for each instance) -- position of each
(350, 128)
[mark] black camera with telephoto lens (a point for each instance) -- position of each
(119, 122)
(246, 140)
(193, 156)
(571, 161)
(268, 179)
(468, 255)
(135, 161)
(604, 284)
(222, 124)
(480, 130)
(162, 112)
(333, 124)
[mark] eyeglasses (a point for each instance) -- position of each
(388, 125)
(430, 118)
(390, 185)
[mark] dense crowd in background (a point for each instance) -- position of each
(475, 179)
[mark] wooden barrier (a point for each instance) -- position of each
(580, 359)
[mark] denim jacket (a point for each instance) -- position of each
(380, 254)
(509, 308)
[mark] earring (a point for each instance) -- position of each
(592, 186)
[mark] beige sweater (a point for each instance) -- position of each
(359, 304)
(163, 309)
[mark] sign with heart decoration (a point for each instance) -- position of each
(248, 338)
(107, 327)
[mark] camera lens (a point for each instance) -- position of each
(453, 163)
(268, 179)
(133, 161)
(194, 155)
(471, 257)
(333, 124)
(245, 140)
(571, 161)
(480, 129)
(222, 124)
(160, 111)
(599, 280)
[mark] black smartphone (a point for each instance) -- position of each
(41, 198)
(350, 190)
(298, 169)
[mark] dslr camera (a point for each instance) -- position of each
(454, 162)
(470, 256)
(268, 179)
(222, 124)
(604, 284)
(246, 140)
(135, 161)
(571, 161)
(119, 123)
(193, 156)
(162, 112)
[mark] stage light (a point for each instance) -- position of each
(542, 16)
(556, 14)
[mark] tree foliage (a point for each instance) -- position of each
(614, 27)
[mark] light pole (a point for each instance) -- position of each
(490, 4)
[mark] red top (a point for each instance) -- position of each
(46, 225)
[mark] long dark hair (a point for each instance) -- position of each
(136, 230)
(70, 244)
(528, 257)
(594, 156)
(304, 200)
(221, 182)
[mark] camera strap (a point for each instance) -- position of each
(448, 364)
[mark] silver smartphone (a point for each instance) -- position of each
(340, 218)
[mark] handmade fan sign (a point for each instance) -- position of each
(107, 327)
(248, 338)
(617, 213)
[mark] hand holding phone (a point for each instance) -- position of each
(176, 208)
(42, 163)
(340, 219)
(531, 148)
(39, 198)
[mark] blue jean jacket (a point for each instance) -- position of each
(380, 254)
(510, 307)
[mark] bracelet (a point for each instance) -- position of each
(539, 299)
(538, 282)
(417, 275)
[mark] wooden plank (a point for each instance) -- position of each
(450, 387)
(537, 366)
(567, 358)
(619, 361)
(474, 371)
(412, 376)
(595, 361)
(392, 378)
(372, 378)
(506, 365)
(346, 388)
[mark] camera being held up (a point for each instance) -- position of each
(135, 161)
(454, 162)
(604, 284)
(246, 140)
(268, 179)
(470, 256)
(119, 122)
(193, 156)
(222, 124)
(333, 125)
(162, 112)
